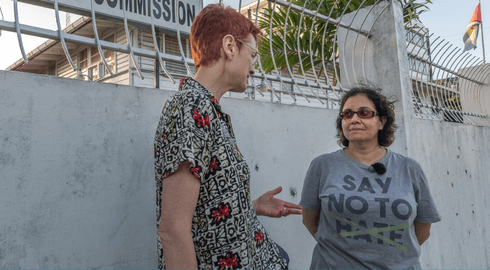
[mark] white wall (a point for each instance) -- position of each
(453, 156)
(456, 159)
(77, 179)
(76, 171)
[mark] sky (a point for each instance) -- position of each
(446, 18)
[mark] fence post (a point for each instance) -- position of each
(380, 60)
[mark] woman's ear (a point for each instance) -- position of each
(383, 120)
(228, 46)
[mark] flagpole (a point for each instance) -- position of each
(482, 39)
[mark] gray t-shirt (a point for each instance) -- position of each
(366, 219)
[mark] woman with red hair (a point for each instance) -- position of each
(205, 216)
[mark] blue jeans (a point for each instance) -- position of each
(283, 255)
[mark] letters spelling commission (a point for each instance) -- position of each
(162, 9)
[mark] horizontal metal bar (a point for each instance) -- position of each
(443, 68)
(53, 35)
(299, 82)
(323, 98)
(50, 34)
(434, 85)
(449, 110)
(320, 16)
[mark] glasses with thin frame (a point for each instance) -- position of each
(256, 55)
(364, 114)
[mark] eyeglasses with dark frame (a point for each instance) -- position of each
(256, 55)
(364, 114)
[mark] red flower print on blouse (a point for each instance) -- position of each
(259, 237)
(201, 121)
(182, 81)
(214, 165)
(215, 101)
(206, 120)
(221, 214)
(229, 262)
(194, 171)
(165, 175)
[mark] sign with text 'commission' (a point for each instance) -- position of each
(166, 13)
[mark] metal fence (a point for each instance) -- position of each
(321, 85)
(446, 83)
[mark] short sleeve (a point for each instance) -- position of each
(184, 134)
(426, 208)
(310, 195)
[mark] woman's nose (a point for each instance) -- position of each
(355, 118)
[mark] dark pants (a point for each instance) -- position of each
(283, 255)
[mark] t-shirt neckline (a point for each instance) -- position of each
(362, 165)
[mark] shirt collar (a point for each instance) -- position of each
(189, 83)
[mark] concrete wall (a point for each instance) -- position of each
(77, 177)
(379, 61)
(76, 171)
(455, 158)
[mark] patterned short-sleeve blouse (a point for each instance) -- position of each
(225, 228)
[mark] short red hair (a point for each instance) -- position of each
(211, 25)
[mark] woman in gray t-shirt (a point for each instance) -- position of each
(366, 206)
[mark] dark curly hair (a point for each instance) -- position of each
(384, 107)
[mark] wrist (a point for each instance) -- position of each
(256, 206)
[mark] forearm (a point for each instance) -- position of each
(178, 250)
(422, 231)
(311, 220)
(180, 192)
(312, 227)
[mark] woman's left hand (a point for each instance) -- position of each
(267, 205)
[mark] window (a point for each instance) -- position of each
(51, 70)
(418, 66)
(172, 47)
(95, 55)
(82, 60)
(90, 63)
(414, 37)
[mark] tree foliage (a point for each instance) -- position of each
(313, 34)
